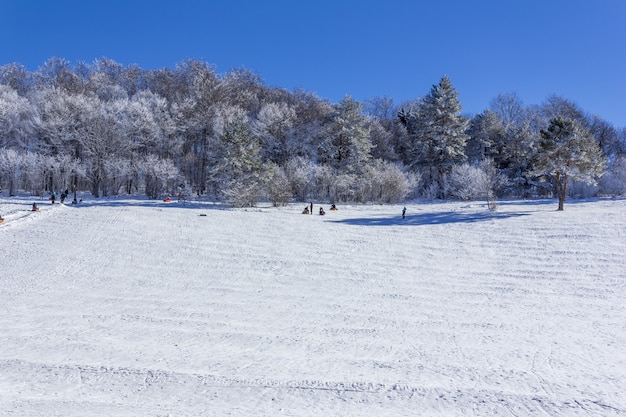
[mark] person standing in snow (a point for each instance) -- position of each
(403, 212)
(311, 210)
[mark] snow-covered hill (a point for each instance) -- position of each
(139, 308)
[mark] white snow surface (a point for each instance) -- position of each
(130, 307)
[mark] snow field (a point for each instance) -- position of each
(138, 308)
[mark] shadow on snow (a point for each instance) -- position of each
(423, 219)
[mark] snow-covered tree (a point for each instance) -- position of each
(17, 119)
(238, 168)
(345, 143)
(486, 135)
(567, 150)
(444, 129)
(385, 182)
(509, 109)
(10, 164)
(15, 76)
(149, 125)
(614, 181)
(277, 186)
(272, 126)
(469, 182)
(159, 176)
(300, 172)
(438, 130)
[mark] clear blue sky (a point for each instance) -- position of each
(362, 48)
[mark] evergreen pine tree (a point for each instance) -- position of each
(346, 143)
(438, 131)
(239, 169)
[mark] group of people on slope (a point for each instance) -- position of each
(333, 207)
(321, 211)
(64, 194)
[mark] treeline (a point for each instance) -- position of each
(111, 129)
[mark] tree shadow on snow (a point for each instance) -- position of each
(156, 204)
(423, 219)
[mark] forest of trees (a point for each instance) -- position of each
(110, 129)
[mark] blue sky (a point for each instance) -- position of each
(362, 48)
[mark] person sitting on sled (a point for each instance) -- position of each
(322, 212)
(1, 219)
(332, 207)
(306, 210)
(35, 208)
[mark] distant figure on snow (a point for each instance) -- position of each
(306, 210)
(322, 212)
(403, 212)
(332, 207)
(53, 197)
(311, 210)
(35, 207)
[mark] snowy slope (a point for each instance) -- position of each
(141, 308)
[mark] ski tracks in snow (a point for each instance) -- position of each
(145, 309)
(51, 390)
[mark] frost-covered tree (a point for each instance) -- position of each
(17, 119)
(606, 135)
(277, 185)
(614, 181)
(382, 141)
(334, 186)
(311, 112)
(345, 143)
(10, 164)
(438, 130)
(300, 172)
(444, 129)
(104, 138)
(486, 135)
(509, 109)
(556, 106)
(238, 168)
(567, 150)
(484, 180)
(15, 76)
(272, 126)
(159, 175)
(385, 182)
(149, 126)
(198, 106)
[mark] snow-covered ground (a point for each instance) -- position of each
(128, 307)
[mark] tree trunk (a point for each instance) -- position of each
(561, 189)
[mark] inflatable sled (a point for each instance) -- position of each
(167, 200)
